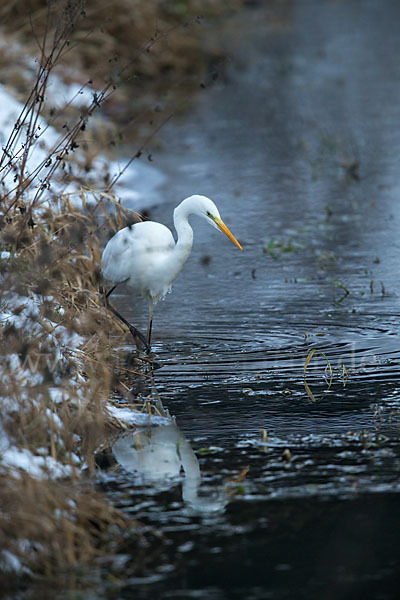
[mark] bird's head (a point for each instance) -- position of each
(210, 212)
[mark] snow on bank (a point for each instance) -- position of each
(132, 417)
(9, 563)
(38, 467)
(137, 186)
(46, 137)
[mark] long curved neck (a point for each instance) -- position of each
(184, 232)
(183, 246)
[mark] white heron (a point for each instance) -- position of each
(146, 257)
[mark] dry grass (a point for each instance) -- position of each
(156, 53)
(152, 37)
(55, 389)
(62, 526)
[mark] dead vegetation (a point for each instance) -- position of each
(156, 54)
(62, 526)
(155, 41)
(58, 371)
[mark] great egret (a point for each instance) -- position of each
(146, 257)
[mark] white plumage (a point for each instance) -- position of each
(146, 257)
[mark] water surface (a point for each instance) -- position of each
(298, 143)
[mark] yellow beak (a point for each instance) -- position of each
(221, 225)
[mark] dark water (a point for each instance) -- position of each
(298, 143)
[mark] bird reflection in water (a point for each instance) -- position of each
(161, 455)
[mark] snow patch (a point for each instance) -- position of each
(38, 467)
(133, 417)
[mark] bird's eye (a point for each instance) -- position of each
(211, 216)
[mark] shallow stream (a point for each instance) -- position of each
(258, 489)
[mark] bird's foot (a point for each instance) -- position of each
(140, 341)
(147, 360)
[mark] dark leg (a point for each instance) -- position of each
(110, 291)
(149, 329)
(150, 323)
(140, 340)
